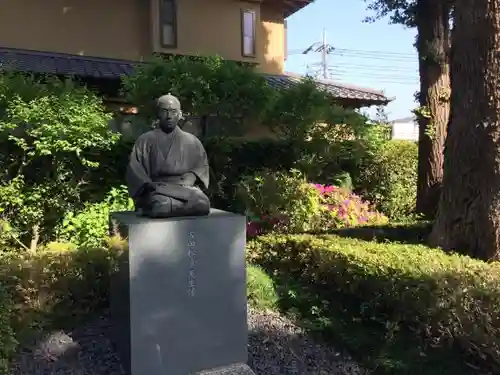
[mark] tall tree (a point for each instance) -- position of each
(433, 42)
(432, 20)
(469, 210)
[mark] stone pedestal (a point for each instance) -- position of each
(178, 300)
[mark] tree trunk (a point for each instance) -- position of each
(433, 44)
(468, 218)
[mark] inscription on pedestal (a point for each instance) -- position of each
(192, 264)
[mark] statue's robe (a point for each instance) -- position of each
(165, 172)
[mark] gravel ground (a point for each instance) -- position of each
(276, 347)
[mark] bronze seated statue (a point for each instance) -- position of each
(168, 167)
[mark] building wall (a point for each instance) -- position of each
(405, 131)
(125, 29)
(112, 29)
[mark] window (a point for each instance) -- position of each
(248, 23)
(168, 24)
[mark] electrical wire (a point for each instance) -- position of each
(387, 67)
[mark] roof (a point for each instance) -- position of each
(338, 90)
(63, 64)
(292, 6)
(98, 67)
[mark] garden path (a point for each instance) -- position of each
(276, 347)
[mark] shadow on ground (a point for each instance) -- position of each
(276, 346)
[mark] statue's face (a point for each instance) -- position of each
(169, 112)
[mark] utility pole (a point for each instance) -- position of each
(325, 49)
(324, 56)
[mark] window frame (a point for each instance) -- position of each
(254, 33)
(161, 22)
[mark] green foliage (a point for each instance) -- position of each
(342, 209)
(323, 154)
(204, 85)
(297, 108)
(388, 178)
(232, 158)
(343, 180)
(395, 295)
(260, 289)
(280, 194)
(46, 126)
(90, 226)
(58, 284)
(399, 11)
(8, 342)
(61, 284)
(287, 202)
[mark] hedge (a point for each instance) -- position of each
(442, 300)
(447, 301)
(59, 283)
(62, 285)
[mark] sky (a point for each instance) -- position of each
(375, 55)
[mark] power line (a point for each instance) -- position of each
(345, 77)
(389, 69)
(386, 67)
(348, 51)
(373, 73)
(376, 57)
(374, 52)
(389, 57)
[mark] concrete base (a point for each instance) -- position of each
(178, 299)
(240, 369)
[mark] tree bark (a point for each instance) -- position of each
(468, 217)
(432, 18)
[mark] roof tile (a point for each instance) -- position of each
(63, 64)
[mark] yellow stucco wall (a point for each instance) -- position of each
(125, 29)
(113, 29)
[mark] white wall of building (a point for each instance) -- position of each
(405, 129)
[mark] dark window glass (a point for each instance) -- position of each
(168, 23)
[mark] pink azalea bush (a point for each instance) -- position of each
(341, 208)
(288, 203)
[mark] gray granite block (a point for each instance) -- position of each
(178, 298)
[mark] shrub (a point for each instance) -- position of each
(90, 226)
(260, 289)
(388, 178)
(232, 158)
(46, 127)
(446, 301)
(8, 341)
(205, 85)
(342, 209)
(61, 283)
(58, 283)
(286, 202)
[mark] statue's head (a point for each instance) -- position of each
(169, 112)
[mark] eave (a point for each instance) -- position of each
(291, 6)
